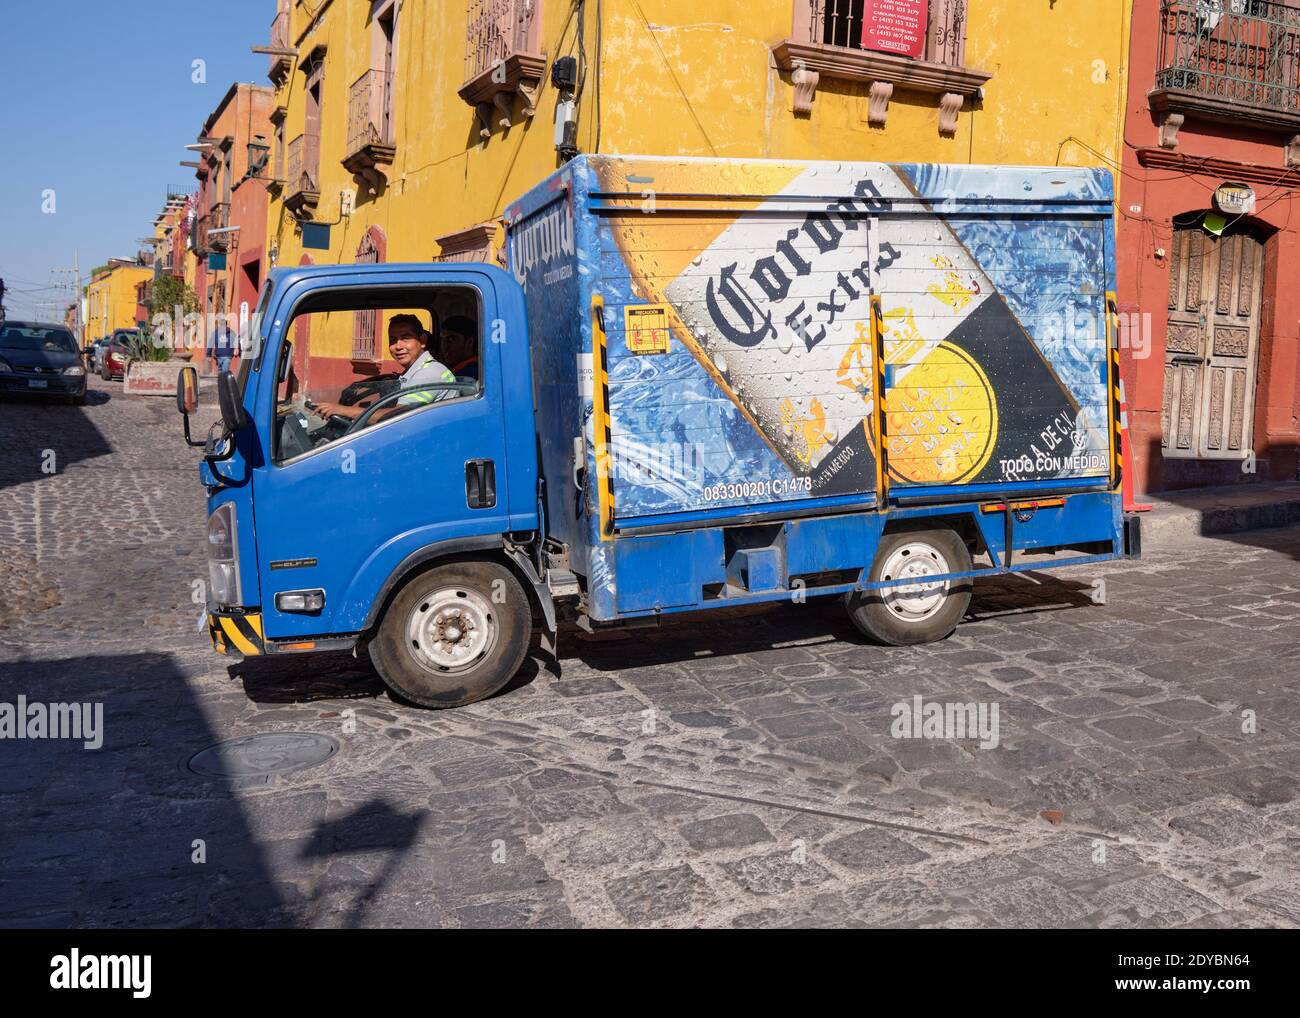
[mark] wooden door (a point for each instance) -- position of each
(1212, 343)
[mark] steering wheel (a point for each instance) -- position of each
(452, 390)
(380, 385)
(332, 417)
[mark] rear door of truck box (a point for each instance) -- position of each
(995, 308)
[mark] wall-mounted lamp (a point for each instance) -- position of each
(259, 152)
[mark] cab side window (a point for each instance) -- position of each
(428, 352)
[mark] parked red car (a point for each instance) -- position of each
(118, 349)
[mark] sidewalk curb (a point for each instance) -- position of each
(1208, 513)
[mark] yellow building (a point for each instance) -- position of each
(189, 260)
(111, 298)
(437, 113)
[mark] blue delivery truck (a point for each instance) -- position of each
(699, 383)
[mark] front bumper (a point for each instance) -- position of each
(43, 384)
(240, 632)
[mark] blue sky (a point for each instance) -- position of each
(97, 103)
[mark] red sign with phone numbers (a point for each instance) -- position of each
(895, 26)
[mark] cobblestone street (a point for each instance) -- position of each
(738, 770)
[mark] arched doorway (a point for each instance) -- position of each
(1212, 342)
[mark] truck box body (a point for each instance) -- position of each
(706, 367)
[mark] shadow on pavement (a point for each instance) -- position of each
(373, 828)
(41, 424)
(306, 678)
(725, 632)
(111, 837)
(1284, 541)
(127, 836)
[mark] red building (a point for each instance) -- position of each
(230, 208)
(1209, 248)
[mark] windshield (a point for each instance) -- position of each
(33, 337)
(254, 340)
(258, 327)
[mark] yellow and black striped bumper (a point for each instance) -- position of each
(240, 633)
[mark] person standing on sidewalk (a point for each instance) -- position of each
(221, 347)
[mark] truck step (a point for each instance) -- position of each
(562, 583)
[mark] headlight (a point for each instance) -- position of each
(75, 369)
(4, 365)
(223, 555)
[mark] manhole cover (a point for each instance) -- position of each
(264, 755)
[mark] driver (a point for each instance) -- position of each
(408, 344)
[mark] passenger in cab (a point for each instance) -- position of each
(459, 347)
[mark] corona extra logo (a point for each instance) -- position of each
(543, 240)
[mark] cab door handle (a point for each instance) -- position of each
(480, 484)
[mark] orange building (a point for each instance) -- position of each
(230, 209)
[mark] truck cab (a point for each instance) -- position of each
(416, 499)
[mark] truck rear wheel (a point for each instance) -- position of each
(920, 612)
(453, 635)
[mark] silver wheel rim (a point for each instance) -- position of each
(915, 602)
(452, 629)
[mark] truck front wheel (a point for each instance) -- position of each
(917, 612)
(453, 635)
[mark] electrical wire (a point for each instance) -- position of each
(37, 289)
(1116, 166)
(25, 282)
(673, 75)
(1200, 169)
(581, 8)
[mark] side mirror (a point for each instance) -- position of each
(187, 391)
(232, 406)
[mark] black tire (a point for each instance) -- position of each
(906, 621)
(79, 399)
(462, 592)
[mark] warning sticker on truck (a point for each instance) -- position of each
(645, 328)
